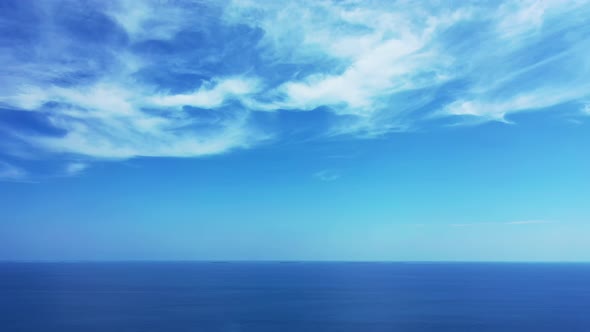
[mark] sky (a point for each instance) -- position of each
(295, 130)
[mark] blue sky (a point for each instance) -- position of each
(318, 130)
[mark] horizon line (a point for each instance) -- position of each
(222, 261)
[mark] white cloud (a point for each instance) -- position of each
(327, 175)
(380, 53)
(532, 100)
(525, 17)
(116, 115)
(355, 59)
(210, 95)
(149, 135)
(499, 109)
(106, 120)
(370, 76)
(151, 19)
(75, 168)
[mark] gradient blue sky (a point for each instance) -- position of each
(309, 130)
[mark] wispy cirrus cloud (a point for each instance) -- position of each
(123, 79)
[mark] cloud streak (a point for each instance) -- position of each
(519, 222)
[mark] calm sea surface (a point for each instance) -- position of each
(322, 297)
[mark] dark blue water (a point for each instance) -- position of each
(323, 297)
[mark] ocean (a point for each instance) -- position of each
(304, 296)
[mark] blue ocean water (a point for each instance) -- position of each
(322, 297)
